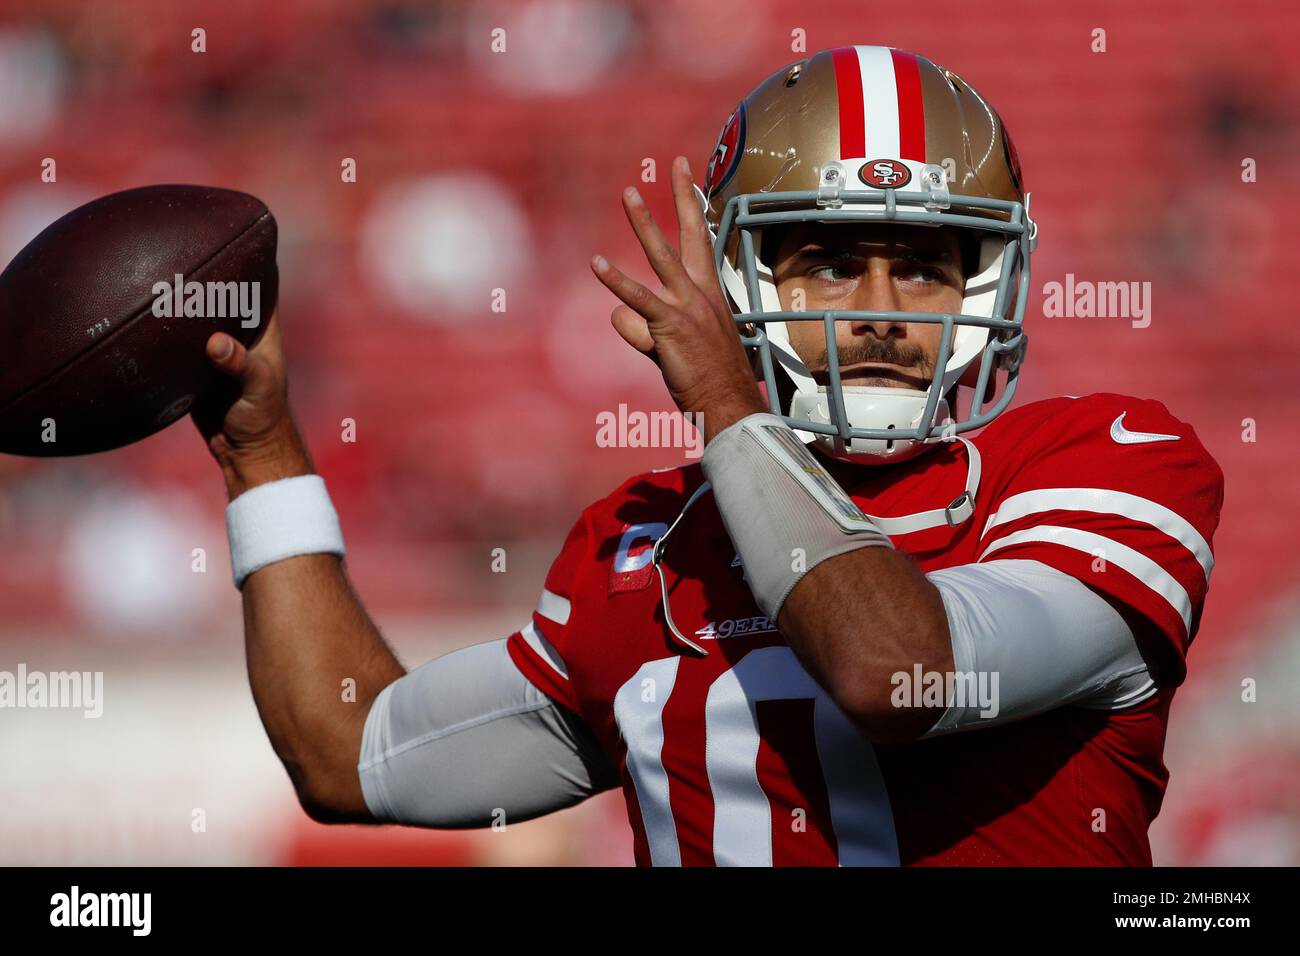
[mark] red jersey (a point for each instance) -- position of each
(740, 758)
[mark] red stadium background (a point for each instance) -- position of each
(475, 428)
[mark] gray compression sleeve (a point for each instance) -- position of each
(466, 740)
(1043, 636)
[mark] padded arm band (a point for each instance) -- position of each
(784, 512)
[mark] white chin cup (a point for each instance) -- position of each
(883, 407)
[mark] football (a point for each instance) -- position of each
(104, 316)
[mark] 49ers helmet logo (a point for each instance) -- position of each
(726, 155)
(885, 174)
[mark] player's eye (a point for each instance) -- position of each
(923, 270)
(920, 273)
(836, 269)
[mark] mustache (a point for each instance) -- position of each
(886, 352)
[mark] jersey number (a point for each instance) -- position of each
(742, 815)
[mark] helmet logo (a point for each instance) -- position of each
(726, 155)
(885, 173)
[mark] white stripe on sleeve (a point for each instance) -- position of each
(1134, 562)
(1106, 501)
(553, 607)
(542, 647)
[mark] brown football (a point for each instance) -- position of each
(94, 353)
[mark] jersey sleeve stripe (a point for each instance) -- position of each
(543, 649)
(1106, 501)
(1145, 691)
(1134, 562)
(553, 607)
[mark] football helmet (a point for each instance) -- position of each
(873, 134)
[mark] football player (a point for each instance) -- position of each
(854, 633)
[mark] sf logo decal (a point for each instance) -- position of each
(885, 174)
(726, 155)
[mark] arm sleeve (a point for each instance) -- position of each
(465, 738)
(1034, 638)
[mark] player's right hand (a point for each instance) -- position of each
(248, 428)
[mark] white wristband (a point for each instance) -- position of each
(279, 520)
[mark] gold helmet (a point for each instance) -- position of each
(869, 133)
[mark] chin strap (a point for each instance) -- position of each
(957, 512)
(656, 559)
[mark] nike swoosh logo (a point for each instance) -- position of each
(1123, 436)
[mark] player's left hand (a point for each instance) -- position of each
(687, 327)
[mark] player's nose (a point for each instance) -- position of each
(876, 293)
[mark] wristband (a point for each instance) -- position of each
(280, 520)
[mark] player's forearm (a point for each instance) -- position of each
(315, 659)
(315, 662)
(858, 619)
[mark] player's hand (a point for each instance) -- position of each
(248, 427)
(686, 327)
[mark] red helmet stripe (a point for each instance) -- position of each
(911, 106)
(848, 84)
